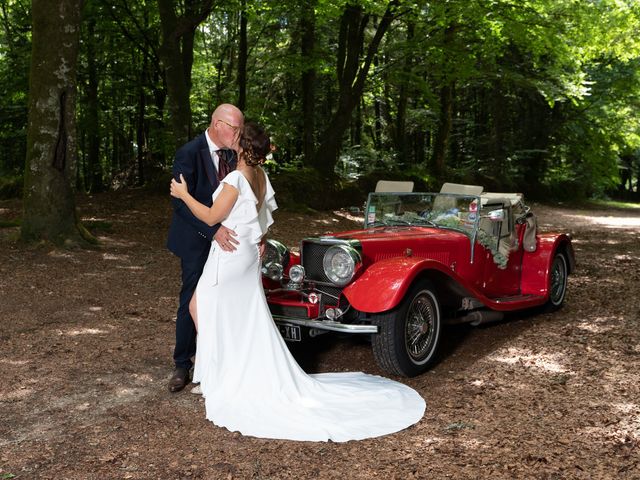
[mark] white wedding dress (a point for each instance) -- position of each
(250, 381)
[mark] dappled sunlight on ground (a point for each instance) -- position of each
(472, 444)
(599, 324)
(350, 216)
(124, 392)
(65, 255)
(324, 221)
(625, 257)
(87, 339)
(14, 395)
(111, 256)
(609, 221)
(84, 331)
(14, 363)
(116, 242)
(617, 222)
(550, 362)
(622, 423)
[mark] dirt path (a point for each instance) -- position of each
(85, 351)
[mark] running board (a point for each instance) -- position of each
(503, 304)
(516, 299)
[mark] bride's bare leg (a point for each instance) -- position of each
(193, 310)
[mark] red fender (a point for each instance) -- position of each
(536, 265)
(385, 283)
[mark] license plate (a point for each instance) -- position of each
(291, 333)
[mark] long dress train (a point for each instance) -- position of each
(250, 381)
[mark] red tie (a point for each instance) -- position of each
(223, 165)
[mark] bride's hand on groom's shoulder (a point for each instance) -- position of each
(178, 189)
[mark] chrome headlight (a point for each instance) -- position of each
(340, 263)
(273, 271)
(296, 274)
(275, 259)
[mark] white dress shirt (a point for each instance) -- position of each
(212, 149)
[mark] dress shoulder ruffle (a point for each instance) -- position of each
(265, 215)
(247, 203)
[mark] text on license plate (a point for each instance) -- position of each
(291, 333)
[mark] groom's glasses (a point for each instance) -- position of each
(232, 127)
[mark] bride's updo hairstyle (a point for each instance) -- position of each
(255, 144)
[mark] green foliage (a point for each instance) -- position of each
(15, 55)
(616, 204)
(422, 181)
(545, 94)
(304, 186)
(10, 223)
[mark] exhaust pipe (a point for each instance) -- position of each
(479, 317)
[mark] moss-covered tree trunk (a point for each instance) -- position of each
(49, 205)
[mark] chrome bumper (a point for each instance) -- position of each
(326, 325)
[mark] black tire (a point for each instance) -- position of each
(395, 349)
(557, 283)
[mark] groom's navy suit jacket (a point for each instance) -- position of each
(188, 236)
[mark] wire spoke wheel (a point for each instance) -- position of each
(409, 335)
(558, 279)
(419, 327)
(557, 283)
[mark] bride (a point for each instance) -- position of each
(249, 380)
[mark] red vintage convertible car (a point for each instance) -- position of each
(422, 259)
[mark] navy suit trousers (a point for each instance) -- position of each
(185, 329)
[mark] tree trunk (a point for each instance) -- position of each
(443, 134)
(176, 53)
(401, 142)
(377, 115)
(141, 134)
(92, 126)
(242, 58)
(308, 78)
(356, 136)
(352, 74)
(498, 105)
(49, 204)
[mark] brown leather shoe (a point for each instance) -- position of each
(179, 379)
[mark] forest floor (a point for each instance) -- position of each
(86, 339)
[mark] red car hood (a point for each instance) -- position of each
(442, 245)
(399, 234)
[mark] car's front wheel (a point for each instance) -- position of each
(408, 336)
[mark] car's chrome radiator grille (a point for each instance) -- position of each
(312, 255)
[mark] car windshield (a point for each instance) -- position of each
(443, 210)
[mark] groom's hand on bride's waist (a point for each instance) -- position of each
(225, 238)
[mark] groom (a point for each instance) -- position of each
(203, 162)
